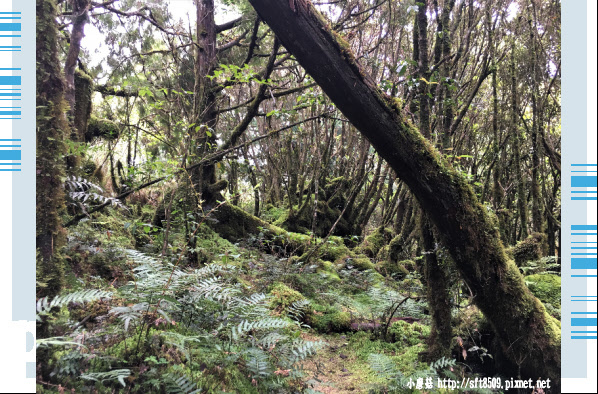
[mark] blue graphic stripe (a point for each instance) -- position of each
(10, 80)
(10, 155)
(584, 227)
(584, 181)
(584, 322)
(10, 27)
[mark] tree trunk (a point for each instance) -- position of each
(51, 127)
(529, 336)
(78, 87)
(521, 201)
(204, 107)
(49, 164)
(439, 297)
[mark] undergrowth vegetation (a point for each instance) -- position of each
(245, 321)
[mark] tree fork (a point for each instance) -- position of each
(528, 335)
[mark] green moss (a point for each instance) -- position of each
(283, 297)
(361, 263)
(327, 319)
(408, 334)
(408, 360)
(392, 251)
(530, 249)
(409, 265)
(328, 271)
(406, 357)
(101, 128)
(374, 242)
(389, 268)
(546, 287)
(82, 110)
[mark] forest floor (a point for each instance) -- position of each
(245, 320)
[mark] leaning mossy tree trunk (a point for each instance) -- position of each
(529, 336)
(51, 128)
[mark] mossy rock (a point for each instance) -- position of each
(546, 287)
(283, 297)
(408, 334)
(373, 243)
(327, 319)
(328, 270)
(395, 270)
(360, 263)
(530, 249)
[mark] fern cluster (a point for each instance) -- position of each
(202, 315)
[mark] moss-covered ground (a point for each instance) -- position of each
(344, 302)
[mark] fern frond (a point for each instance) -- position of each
(264, 324)
(257, 362)
(129, 313)
(180, 385)
(44, 305)
(117, 374)
(297, 309)
(55, 341)
(384, 366)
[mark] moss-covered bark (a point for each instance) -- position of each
(82, 109)
(439, 298)
(529, 336)
(51, 129)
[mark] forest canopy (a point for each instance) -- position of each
(241, 195)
